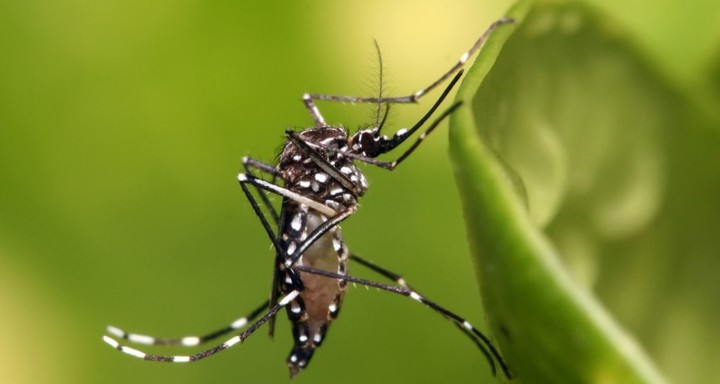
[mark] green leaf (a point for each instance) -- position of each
(558, 156)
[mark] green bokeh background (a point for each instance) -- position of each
(122, 125)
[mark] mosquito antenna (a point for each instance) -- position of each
(380, 85)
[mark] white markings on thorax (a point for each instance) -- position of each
(322, 177)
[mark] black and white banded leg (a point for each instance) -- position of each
(209, 352)
(394, 277)
(310, 98)
(485, 345)
(468, 329)
(188, 341)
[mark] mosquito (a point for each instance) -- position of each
(320, 187)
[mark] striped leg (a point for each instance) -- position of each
(482, 341)
(397, 279)
(310, 98)
(187, 341)
(209, 352)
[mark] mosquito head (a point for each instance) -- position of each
(369, 142)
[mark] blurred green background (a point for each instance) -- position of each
(122, 125)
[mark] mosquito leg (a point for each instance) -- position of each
(209, 352)
(274, 188)
(486, 346)
(397, 279)
(252, 180)
(309, 98)
(249, 164)
(188, 341)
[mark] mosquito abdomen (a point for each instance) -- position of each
(320, 299)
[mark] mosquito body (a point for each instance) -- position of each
(320, 187)
(320, 297)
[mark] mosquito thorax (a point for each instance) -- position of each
(302, 173)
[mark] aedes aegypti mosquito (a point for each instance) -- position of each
(320, 188)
